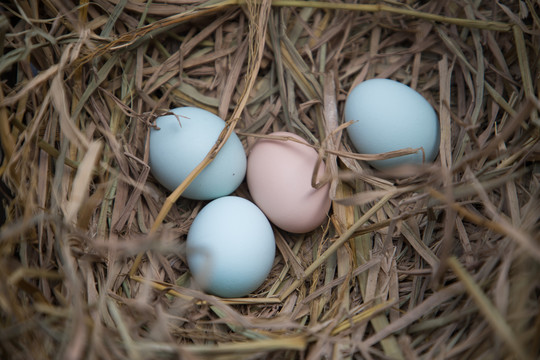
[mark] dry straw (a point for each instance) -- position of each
(444, 264)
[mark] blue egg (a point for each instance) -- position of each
(180, 143)
(230, 247)
(391, 116)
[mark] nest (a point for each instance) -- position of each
(443, 264)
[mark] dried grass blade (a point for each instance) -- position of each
(23, 272)
(489, 311)
(95, 83)
(421, 248)
(445, 147)
(30, 85)
(332, 264)
(123, 330)
(337, 244)
(67, 126)
(118, 10)
(480, 24)
(189, 93)
(289, 256)
(533, 13)
(479, 73)
(250, 334)
(133, 199)
(14, 56)
(299, 70)
(377, 289)
(188, 295)
(416, 313)
(451, 43)
(79, 191)
(365, 197)
(516, 232)
(340, 280)
(275, 36)
(298, 343)
(282, 276)
(232, 80)
(522, 238)
(508, 130)
(7, 141)
(363, 316)
(344, 215)
(141, 34)
(523, 60)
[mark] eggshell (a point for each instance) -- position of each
(230, 247)
(182, 142)
(279, 179)
(391, 116)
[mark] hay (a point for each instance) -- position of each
(444, 264)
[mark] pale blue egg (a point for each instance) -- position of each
(230, 247)
(181, 142)
(391, 116)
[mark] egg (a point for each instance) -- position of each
(181, 141)
(388, 116)
(230, 247)
(279, 180)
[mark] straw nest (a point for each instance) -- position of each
(444, 264)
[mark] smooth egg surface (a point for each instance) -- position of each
(279, 179)
(180, 143)
(388, 116)
(230, 247)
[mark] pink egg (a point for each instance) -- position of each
(279, 179)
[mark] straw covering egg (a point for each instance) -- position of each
(180, 142)
(389, 116)
(279, 178)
